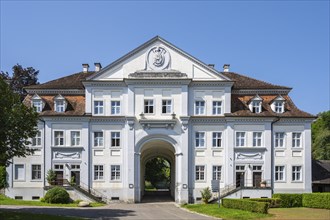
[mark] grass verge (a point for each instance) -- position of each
(8, 201)
(225, 213)
(12, 215)
(299, 213)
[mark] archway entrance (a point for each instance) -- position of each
(157, 156)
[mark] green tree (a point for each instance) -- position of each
(158, 171)
(17, 124)
(321, 137)
(21, 78)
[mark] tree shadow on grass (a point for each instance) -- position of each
(90, 213)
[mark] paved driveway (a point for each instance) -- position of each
(166, 210)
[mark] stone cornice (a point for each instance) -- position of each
(103, 83)
(177, 81)
(56, 91)
(260, 91)
(211, 83)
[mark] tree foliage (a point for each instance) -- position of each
(21, 77)
(17, 124)
(158, 171)
(321, 137)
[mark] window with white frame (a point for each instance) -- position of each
(75, 138)
(19, 172)
(240, 139)
(166, 106)
(216, 174)
(296, 139)
(200, 172)
(216, 107)
(115, 172)
(200, 139)
(279, 173)
(37, 105)
(216, 139)
(115, 139)
(59, 138)
(240, 168)
(98, 138)
(256, 106)
(200, 107)
(257, 139)
(149, 106)
(115, 107)
(36, 141)
(279, 139)
(98, 107)
(257, 168)
(36, 172)
(279, 106)
(60, 105)
(296, 173)
(98, 172)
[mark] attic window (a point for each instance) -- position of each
(60, 103)
(37, 103)
(278, 105)
(255, 104)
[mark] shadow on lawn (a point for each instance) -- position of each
(99, 213)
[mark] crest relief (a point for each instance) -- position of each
(158, 58)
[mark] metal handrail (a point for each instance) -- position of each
(92, 191)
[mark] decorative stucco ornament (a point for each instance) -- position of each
(158, 58)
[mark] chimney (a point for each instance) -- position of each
(211, 65)
(98, 67)
(226, 67)
(85, 67)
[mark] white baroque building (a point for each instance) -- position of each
(103, 126)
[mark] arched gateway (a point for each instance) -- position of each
(153, 146)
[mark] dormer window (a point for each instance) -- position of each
(37, 103)
(59, 104)
(278, 105)
(255, 104)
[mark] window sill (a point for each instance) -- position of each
(75, 147)
(217, 149)
(200, 148)
(99, 181)
(280, 181)
(19, 180)
(37, 181)
(115, 181)
(298, 181)
(296, 148)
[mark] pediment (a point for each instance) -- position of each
(158, 58)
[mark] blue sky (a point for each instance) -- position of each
(281, 42)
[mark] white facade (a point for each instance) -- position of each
(159, 101)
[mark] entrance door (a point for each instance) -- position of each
(75, 177)
(59, 178)
(240, 179)
(256, 179)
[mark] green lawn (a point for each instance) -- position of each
(8, 201)
(225, 213)
(299, 213)
(12, 215)
(274, 213)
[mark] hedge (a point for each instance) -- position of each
(289, 200)
(57, 195)
(273, 202)
(246, 204)
(316, 200)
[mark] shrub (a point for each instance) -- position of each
(289, 200)
(316, 200)
(206, 194)
(57, 195)
(51, 177)
(3, 177)
(246, 204)
(273, 202)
